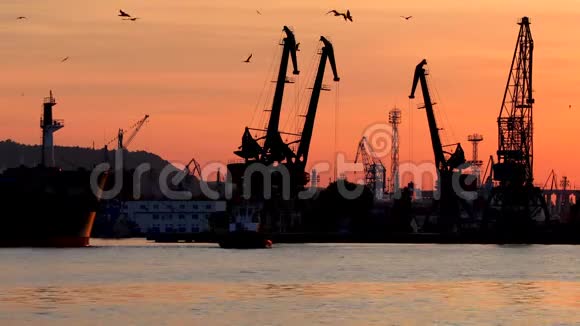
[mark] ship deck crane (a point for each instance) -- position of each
(274, 148)
(373, 168)
(133, 131)
(326, 54)
(445, 162)
(300, 176)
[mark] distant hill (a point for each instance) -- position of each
(13, 154)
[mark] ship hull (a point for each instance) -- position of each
(58, 235)
(48, 242)
(42, 207)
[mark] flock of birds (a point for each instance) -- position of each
(346, 15)
(126, 16)
(123, 14)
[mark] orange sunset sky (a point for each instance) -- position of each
(181, 64)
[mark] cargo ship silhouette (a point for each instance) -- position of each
(46, 206)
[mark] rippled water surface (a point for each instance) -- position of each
(136, 282)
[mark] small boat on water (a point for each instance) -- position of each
(245, 240)
(244, 230)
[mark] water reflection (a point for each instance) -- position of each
(480, 294)
(291, 285)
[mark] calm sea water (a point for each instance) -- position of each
(135, 282)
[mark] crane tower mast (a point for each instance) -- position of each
(515, 203)
(515, 125)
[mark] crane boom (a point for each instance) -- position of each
(327, 53)
(274, 148)
(448, 199)
(457, 157)
(420, 75)
(273, 142)
(136, 129)
(196, 167)
(373, 167)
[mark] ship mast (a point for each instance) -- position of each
(49, 126)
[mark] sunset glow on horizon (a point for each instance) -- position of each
(181, 63)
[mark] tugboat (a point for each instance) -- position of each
(244, 230)
(45, 206)
(242, 239)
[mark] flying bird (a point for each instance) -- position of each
(21, 17)
(123, 14)
(298, 46)
(406, 17)
(348, 16)
(336, 13)
(131, 19)
(64, 59)
(248, 59)
(258, 12)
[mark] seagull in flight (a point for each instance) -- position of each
(131, 19)
(348, 16)
(248, 59)
(406, 17)
(21, 17)
(123, 14)
(64, 59)
(258, 12)
(336, 13)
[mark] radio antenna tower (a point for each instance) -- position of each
(395, 121)
(475, 162)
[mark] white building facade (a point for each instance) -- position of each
(166, 216)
